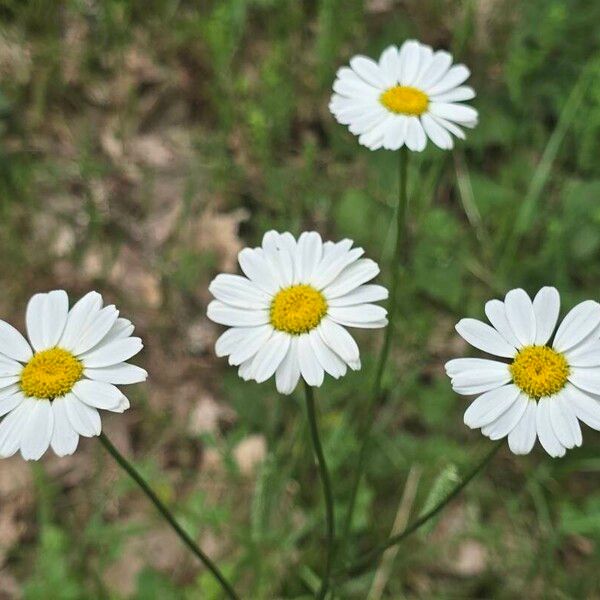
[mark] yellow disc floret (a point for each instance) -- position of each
(539, 371)
(297, 309)
(405, 100)
(50, 374)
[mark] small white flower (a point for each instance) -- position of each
(287, 316)
(412, 94)
(51, 387)
(543, 390)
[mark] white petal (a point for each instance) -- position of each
(122, 328)
(482, 336)
(13, 344)
(288, 372)
(357, 316)
(459, 94)
(435, 71)
(229, 340)
(54, 317)
(6, 382)
(584, 355)
(328, 359)
(12, 426)
(356, 88)
(332, 264)
(34, 320)
(564, 422)
(453, 128)
(416, 139)
(250, 344)
(64, 438)
(409, 61)
(373, 139)
(453, 78)
(236, 317)
(122, 406)
(37, 431)
(369, 120)
(520, 315)
(586, 378)
(458, 113)
(579, 322)
(10, 401)
(98, 394)
(84, 419)
(123, 373)
(309, 254)
(389, 65)
(97, 327)
(478, 381)
(310, 368)
(360, 295)
(545, 431)
(489, 406)
(586, 409)
(369, 70)
(270, 355)
(436, 133)
(508, 420)
(340, 341)
(522, 438)
(9, 367)
(546, 306)
(456, 366)
(351, 277)
(113, 353)
(79, 317)
(280, 255)
(245, 371)
(238, 291)
(395, 134)
(496, 313)
(256, 268)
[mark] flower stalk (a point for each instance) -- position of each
(372, 556)
(369, 416)
(168, 516)
(327, 490)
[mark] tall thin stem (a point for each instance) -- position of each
(369, 558)
(164, 511)
(369, 416)
(327, 490)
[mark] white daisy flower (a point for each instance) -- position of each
(544, 389)
(411, 94)
(288, 315)
(52, 386)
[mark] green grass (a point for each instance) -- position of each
(142, 141)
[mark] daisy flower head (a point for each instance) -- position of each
(411, 94)
(287, 316)
(52, 386)
(547, 382)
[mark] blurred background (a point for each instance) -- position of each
(143, 143)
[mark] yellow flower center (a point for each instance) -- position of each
(297, 309)
(405, 100)
(50, 374)
(539, 371)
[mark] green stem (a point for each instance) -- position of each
(164, 511)
(369, 558)
(369, 413)
(327, 491)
